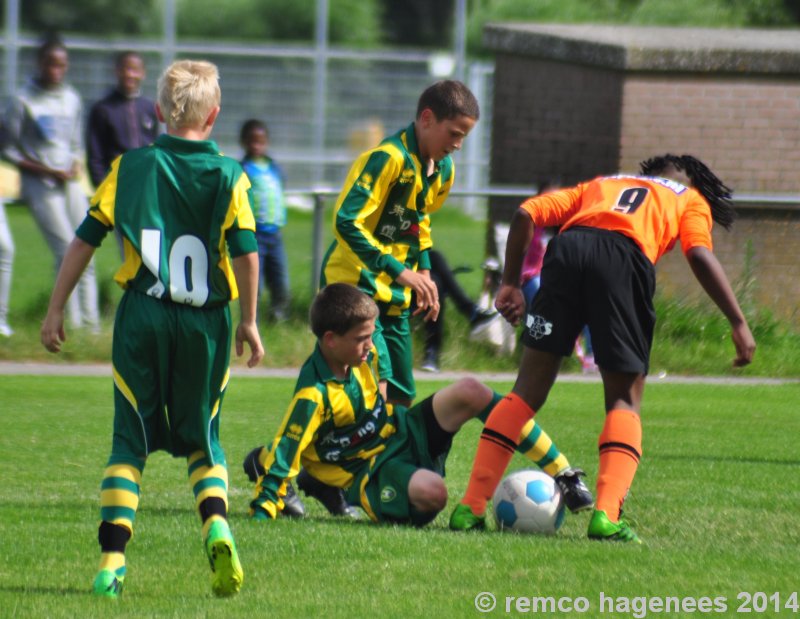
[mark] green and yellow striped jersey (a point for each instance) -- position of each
(382, 219)
(333, 428)
(177, 203)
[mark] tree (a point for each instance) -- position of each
(351, 22)
(107, 17)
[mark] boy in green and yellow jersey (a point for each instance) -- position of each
(382, 224)
(177, 203)
(388, 459)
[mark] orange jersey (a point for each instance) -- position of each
(654, 212)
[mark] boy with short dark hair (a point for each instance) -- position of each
(177, 203)
(382, 224)
(269, 210)
(389, 459)
(122, 120)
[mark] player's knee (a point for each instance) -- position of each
(427, 491)
(474, 394)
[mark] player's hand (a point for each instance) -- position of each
(52, 333)
(248, 332)
(510, 302)
(426, 292)
(745, 345)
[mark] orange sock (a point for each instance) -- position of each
(496, 446)
(620, 450)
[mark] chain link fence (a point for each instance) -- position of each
(364, 96)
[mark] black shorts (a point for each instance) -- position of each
(602, 279)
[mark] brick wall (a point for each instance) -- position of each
(759, 253)
(575, 102)
(746, 128)
(555, 121)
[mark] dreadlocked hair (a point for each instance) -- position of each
(716, 193)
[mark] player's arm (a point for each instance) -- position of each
(426, 292)
(370, 179)
(282, 461)
(245, 270)
(712, 278)
(510, 301)
(78, 255)
(242, 246)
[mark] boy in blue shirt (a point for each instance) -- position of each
(269, 209)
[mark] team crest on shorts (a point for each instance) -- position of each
(388, 494)
(537, 326)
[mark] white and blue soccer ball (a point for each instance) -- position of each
(528, 501)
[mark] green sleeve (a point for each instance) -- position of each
(241, 242)
(92, 231)
(424, 263)
(362, 199)
(283, 460)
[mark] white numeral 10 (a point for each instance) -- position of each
(188, 267)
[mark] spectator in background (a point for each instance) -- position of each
(6, 259)
(530, 281)
(269, 209)
(6, 262)
(448, 286)
(44, 141)
(121, 121)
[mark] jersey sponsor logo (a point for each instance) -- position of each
(365, 182)
(538, 327)
(364, 432)
(411, 230)
(388, 494)
(294, 432)
(675, 186)
(406, 176)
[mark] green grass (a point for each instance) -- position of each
(690, 338)
(715, 501)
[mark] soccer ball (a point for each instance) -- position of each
(528, 501)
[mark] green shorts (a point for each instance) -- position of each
(382, 490)
(392, 339)
(170, 372)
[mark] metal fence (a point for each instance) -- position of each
(318, 120)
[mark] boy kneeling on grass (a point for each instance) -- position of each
(388, 459)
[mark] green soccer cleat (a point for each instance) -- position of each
(227, 574)
(462, 519)
(601, 527)
(107, 584)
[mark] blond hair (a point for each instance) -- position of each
(188, 90)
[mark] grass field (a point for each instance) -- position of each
(716, 503)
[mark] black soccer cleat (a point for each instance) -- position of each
(577, 496)
(252, 467)
(293, 506)
(332, 498)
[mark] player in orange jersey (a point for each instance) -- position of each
(599, 271)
